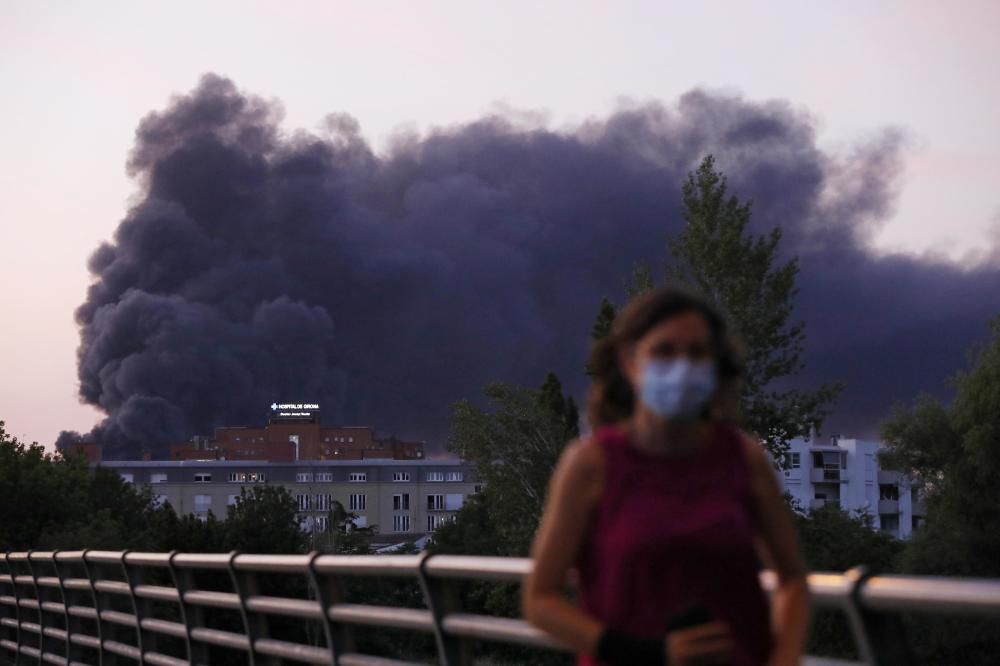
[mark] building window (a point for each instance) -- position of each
(324, 477)
(454, 476)
(304, 477)
(436, 520)
(435, 476)
(435, 502)
(796, 460)
(324, 502)
(400, 476)
(478, 488)
(322, 523)
(401, 502)
(888, 491)
(357, 477)
(889, 522)
(359, 503)
(127, 478)
(246, 477)
(401, 523)
(202, 478)
(304, 502)
(202, 503)
(158, 478)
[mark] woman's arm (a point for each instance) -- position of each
(777, 535)
(574, 491)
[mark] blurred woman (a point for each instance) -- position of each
(667, 509)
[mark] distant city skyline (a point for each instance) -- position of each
(78, 80)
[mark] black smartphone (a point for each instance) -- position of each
(689, 617)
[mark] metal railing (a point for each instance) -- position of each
(86, 607)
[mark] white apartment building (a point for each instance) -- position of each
(846, 473)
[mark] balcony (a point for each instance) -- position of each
(888, 506)
(828, 475)
(890, 477)
(820, 503)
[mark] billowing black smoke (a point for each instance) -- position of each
(257, 266)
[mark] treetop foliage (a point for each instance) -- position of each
(954, 451)
(514, 447)
(740, 273)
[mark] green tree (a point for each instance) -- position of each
(264, 520)
(922, 440)
(53, 501)
(605, 318)
(717, 256)
(641, 280)
(953, 450)
(833, 540)
(514, 449)
(342, 533)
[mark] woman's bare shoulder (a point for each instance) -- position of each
(758, 461)
(582, 462)
(584, 452)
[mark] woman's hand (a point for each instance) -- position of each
(708, 643)
(784, 661)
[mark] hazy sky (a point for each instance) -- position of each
(77, 77)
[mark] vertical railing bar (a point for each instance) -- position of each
(73, 651)
(66, 605)
(104, 656)
(451, 651)
(241, 594)
(130, 581)
(857, 577)
(17, 608)
(325, 600)
(46, 594)
(884, 634)
(38, 600)
(197, 653)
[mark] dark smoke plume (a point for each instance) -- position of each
(259, 266)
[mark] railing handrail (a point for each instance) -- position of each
(46, 598)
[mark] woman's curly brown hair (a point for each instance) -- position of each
(611, 398)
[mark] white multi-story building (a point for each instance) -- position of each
(400, 497)
(846, 473)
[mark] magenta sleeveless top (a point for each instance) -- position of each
(671, 532)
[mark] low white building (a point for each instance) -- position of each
(846, 473)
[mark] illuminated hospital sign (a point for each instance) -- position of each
(294, 411)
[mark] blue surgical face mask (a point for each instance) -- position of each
(678, 388)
